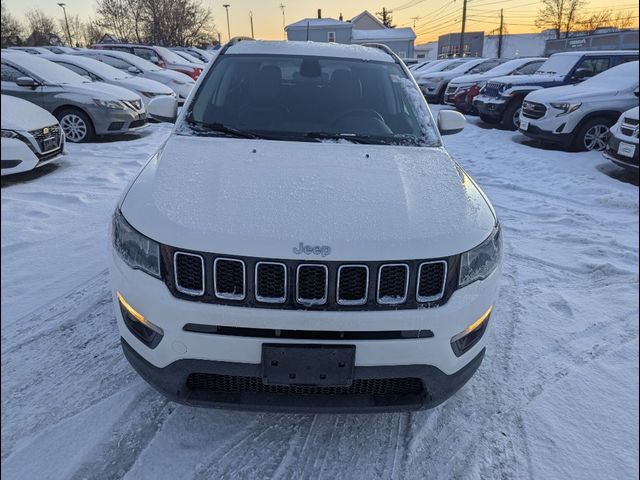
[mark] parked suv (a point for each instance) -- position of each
(83, 108)
(303, 241)
(160, 56)
(501, 99)
(579, 116)
(462, 90)
(623, 147)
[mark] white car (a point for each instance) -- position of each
(623, 148)
(434, 83)
(303, 240)
(181, 84)
(149, 90)
(31, 136)
(579, 116)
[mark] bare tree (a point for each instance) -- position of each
(11, 29)
(606, 18)
(559, 15)
(42, 29)
(92, 32)
(386, 18)
(117, 17)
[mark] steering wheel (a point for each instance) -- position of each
(359, 112)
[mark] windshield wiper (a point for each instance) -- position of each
(350, 137)
(216, 127)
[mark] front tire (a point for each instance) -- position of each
(593, 135)
(511, 117)
(76, 125)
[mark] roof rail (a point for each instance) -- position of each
(385, 49)
(232, 42)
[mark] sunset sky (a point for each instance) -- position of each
(435, 17)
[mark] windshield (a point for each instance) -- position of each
(134, 60)
(169, 56)
(101, 69)
(622, 77)
(48, 71)
(506, 68)
(559, 64)
(312, 99)
(450, 66)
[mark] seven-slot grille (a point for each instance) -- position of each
(267, 283)
(533, 110)
(48, 138)
(492, 89)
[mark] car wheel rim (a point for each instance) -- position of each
(596, 137)
(516, 118)
(74, 127)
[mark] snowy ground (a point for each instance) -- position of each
(556, 397)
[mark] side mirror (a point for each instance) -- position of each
(154, 59)
(133, 70)
(88, 77)
(163, 108)
(581, 73)
(26, 82)
(635, 92)
(450, 122)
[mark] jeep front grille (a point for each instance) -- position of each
(294, 284)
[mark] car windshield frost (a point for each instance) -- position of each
(311, 99)
(558, 65)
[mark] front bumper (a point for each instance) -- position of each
(535, 132)
(17, 157)
(112, 121)
(491, 107)
(173, 382)
(460, 100)
(432, 92)
(611, 154)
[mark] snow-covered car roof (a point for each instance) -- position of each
(315, 49)
(596, 53)
(48, 71)
(620, 76)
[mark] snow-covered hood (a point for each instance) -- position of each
(18, 114)
(535, 79)
(262, 198)
(113, 92)
(144, 85)
(571, 93)
(173, 75)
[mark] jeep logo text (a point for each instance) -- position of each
(322, 250)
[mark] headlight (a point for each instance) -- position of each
(138, 251)
(566, 108)
(149, 94)
(113, 104)
(9, 134)
(178, 82)
(479, 263)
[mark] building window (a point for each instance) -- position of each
(331, 36)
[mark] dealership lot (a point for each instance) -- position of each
(564, 343)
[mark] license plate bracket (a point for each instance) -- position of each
(316, 365)
(524, 125)
(626, 149)
(50, 143)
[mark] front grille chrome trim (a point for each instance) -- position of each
(312, 301)
(230, 296)
(433, 298)
(260, 298)
(393, 301)
(188, 291)
(361, 301)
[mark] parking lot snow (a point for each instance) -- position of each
(556, 397)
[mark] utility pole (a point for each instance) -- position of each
(66, 22)
(501, 33)
(226, 6)
(251, 21)
(464, 24)
(284, 33)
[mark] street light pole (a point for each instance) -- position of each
(226, 6)
(66, 22)
(284, 32)
(251, 20)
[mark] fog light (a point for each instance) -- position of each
(140, 327)
(464, 341)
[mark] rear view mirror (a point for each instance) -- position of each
(163, 108)
(450, 122)
(26, 82)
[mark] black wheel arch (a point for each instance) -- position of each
(612, 115)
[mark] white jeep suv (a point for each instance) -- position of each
(303, 241)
